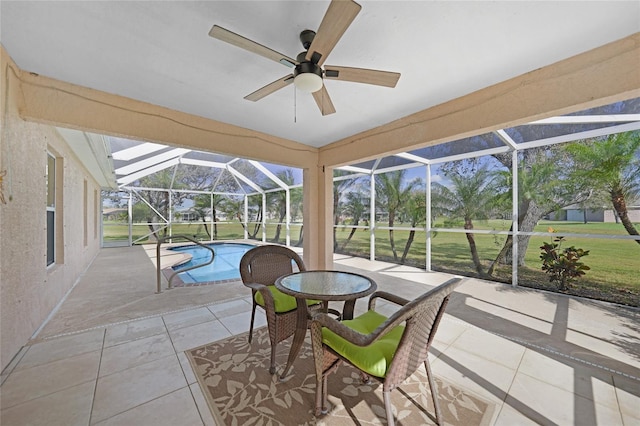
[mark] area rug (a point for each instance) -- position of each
(235, 380)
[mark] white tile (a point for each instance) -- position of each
(176, 408)
(203, 406)
(489, 346)
(239, 323)
(232, 307)
(27, 384)
(12, 364)
(628, 394)
(187, 318)
(548, 404)
(575, 377)
(611, 346)
(198, 335)
(186, 368)
(449, 330)
(510, 416)
(62, 347)
(129, 388)
(127, 355)
(486, 378)
(133, 330)
(69, 407)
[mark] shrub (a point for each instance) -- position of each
(562, 265)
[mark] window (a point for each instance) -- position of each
(51, 208)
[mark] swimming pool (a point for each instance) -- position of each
(225, 264)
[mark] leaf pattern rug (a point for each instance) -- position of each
(234, 377)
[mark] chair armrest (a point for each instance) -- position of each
(320, 320)
(266, 294)
(387, 296)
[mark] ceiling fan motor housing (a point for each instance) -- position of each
(307, 67)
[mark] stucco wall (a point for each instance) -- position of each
(29, 291)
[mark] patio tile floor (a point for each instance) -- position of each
(542, 358)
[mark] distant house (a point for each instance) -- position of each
(113, 213)
(574, 213)
(191, 215)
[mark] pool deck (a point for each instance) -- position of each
(542, 358)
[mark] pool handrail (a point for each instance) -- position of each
(162, 240)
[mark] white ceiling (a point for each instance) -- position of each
(160, 52)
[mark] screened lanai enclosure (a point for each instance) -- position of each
(553, 204)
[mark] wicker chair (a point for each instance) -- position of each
(259, 269)
(384, 348)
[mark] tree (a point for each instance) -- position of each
(613, 164)
(544, 187)
(471, 196)
(340, 187)
(278, 200)
(391, 194)
(355, 207)
(159, 200)
(416, 212)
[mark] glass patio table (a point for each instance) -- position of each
(324, 286)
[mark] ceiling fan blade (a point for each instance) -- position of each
(324, 101)
(270, 88)
(336, 20)
(250, 45)
(362, 75)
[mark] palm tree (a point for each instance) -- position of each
(201, 205)
(543, 187)
(340, 187)
(355, 207)
(392, 193)
(279, 200)
(416, 211)
(537, 180)
(471, 196)
(612, 163)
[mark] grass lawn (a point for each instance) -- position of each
(615, 264)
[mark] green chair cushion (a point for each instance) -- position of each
(283, 302)
(374, 359)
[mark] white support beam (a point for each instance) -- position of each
(149, 162)
(203, 163)
(288, 217)
(137, 151)
(394, 168)
(474, 154)
(514, 219)
(244, 179)
(506, 138)
(270, 175)
(428, 217)
(413, 157)
(586, 119)
(353, 176)
(146, 172)
(353, 169)
(581, 135)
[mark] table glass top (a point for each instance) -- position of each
(328, 283)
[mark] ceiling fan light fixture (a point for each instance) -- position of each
(308, 77)
(308, 82)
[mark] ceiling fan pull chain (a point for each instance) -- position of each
(295, 106)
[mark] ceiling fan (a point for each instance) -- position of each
(308, 73)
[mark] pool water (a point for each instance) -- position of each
(225, 266)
